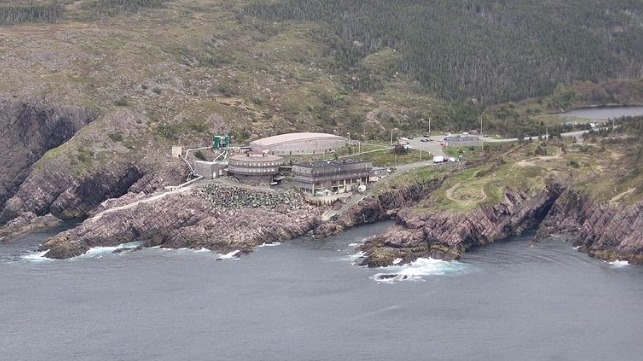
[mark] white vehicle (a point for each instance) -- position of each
(438, 159)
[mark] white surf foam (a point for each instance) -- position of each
(98, 252)
(37, 257)
(273, 244)
(353, 257)
(231, 255)
(416, 271)
(354, 244)
(618, 264)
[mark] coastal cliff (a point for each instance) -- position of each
(216, 217)
(602, 230)
(78, 166)
(28, 129)
(380, 206)
(588, 191)
(446, 235)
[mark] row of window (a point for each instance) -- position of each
(252, 170)
(256, 164)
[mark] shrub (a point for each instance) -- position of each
(116, 137)
(199, 155)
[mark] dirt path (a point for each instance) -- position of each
(621, 195)
(145, 200)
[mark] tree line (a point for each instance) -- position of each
(494, 51)
(12, 13)
(17, 12)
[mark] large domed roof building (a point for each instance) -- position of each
(299, 143)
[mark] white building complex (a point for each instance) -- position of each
(299, 143)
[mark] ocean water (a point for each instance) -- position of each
(306, 300)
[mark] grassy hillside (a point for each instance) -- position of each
(607, 166)
(256, 68)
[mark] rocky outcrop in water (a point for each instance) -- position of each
(446, 235)
(214, 217)
(28, 223)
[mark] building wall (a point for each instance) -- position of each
(338, 177)
(303, 146)
(465, 144)
(208, 170)
(254, 170)
(177, 151)
(254, 179)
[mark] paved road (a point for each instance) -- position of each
(576, 133)
(433, 146)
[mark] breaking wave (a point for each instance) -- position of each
(36, 257)
(98, 252)
(231, 255)
(618, 264)
(417, 270)
(94, 252)
(273, 244)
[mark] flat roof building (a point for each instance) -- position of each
(209, 170)
(299, 143)
(463, 141)
(337, 176)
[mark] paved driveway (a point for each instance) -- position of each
(433, 146)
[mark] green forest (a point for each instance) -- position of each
(490, 50)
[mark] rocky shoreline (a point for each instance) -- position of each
(225, 219)
(216, 217)
(598, 229)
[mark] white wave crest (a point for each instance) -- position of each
(273, 244)
(422, 267)
(98, 252)
(617, 264)
(37, 257)
(231, 255)
(354, 257)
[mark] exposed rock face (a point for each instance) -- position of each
(66, 196)
(602, 230)
(445, 235)
(27, 223)
(28, 129)
(74, 180)
(214, 217)
(381, 207)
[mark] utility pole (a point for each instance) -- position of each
(481, 127)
